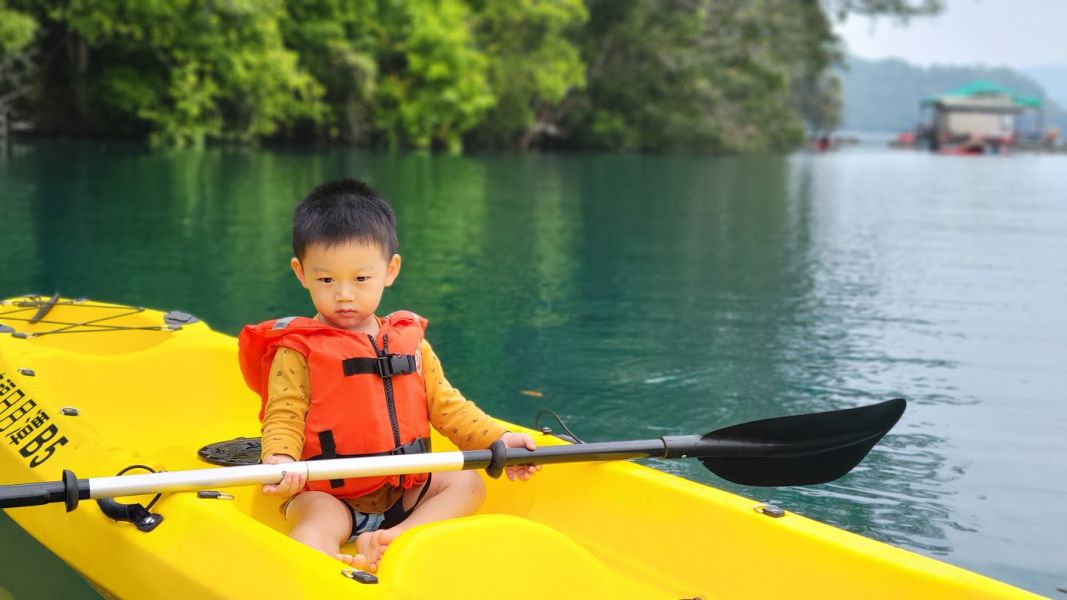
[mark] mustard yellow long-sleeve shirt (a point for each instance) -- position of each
(289, 396)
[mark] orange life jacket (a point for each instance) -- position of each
(368, 397)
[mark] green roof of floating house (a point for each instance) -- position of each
(981, 88)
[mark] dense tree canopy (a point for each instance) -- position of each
(649, 75)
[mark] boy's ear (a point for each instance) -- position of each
(298, 270)
(392, 270)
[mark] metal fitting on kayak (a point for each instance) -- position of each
(179, 318)
(770, 510)
(360, 576)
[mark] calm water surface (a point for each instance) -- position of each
(644, 296)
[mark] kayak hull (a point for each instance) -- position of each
(133, 387)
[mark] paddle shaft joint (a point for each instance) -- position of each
(497, 456)
(68, 491)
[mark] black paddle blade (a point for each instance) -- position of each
(801, 449)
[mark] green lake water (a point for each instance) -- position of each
(643, 296)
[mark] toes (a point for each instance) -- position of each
(385, 537)
(348, 559)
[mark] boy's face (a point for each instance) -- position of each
(346, 282)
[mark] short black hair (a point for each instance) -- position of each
(342, 211)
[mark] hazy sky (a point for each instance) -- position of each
(1013, 33)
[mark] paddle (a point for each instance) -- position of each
(795, 450)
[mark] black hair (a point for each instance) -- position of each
(342, 211)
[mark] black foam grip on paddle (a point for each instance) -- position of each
(31, 494)
(68, 491)
(500, 456)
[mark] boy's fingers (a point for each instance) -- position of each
(521, 472)
(294, 483)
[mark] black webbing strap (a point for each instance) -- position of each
(329, 450)
(419, 446)
(383, 366)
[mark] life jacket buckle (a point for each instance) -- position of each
(395, 364)
(418, 446)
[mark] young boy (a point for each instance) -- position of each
(349, 383)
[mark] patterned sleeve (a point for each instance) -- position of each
(457, 418)
(287, 405)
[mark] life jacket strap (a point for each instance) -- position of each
(329, 449)
(383, 366)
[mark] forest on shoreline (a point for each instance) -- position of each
(638, 75)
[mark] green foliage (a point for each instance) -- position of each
(432, 86)
(688, 75)
(399, 74)
(902, 10)
(16, 31)
(336, 43)
(191, 70)
(534, 63)
(646, 75)
(18, 72)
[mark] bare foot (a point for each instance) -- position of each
(372, 545)
(358, 561)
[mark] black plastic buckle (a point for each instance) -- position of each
(395, 364)
(419, 446)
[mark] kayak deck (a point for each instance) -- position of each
(154, 394)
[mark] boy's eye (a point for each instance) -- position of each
(326, 279)
(362, 278)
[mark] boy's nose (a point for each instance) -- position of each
(344, 292)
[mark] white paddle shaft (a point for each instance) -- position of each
(317, 470)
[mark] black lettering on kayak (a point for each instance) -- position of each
(41, 457)
(37, 443)
(12, 416)
(16, 415)
(6, 385)
(33, 425)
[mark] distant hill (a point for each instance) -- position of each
(1053, 79)
(884, 95)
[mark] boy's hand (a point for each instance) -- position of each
(291, 484)
(520, 440)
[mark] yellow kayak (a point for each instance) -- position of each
(95, 388)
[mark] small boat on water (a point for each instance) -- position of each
(99, 388)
